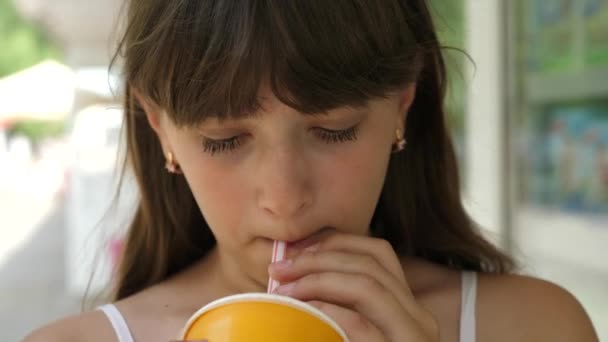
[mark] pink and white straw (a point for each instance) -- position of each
(278, 254)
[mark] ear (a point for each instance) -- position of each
(406, 98)
(153, 111)
(155, 115)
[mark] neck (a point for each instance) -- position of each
(422, 276)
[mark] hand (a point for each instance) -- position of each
(359, 282)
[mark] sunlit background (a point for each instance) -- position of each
(529, 116)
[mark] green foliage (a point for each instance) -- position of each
(37, 130)
(22, 44)
(449, 18)
(449, 21)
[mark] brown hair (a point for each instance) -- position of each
(200, 58)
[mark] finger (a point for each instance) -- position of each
(332, 261)
(379, 249)
(356, 327)
(358, 292)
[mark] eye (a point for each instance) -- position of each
(213, 146)
(333, 136)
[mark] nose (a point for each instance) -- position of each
(284, 184)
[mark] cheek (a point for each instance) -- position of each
(215, 185)
(354, 194)
(219, 196)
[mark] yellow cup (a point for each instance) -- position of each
(261, 317)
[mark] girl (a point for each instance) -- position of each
(319, 123)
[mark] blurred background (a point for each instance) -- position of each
(529, 116)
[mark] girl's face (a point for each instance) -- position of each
(283, 175)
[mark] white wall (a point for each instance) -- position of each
(484, 129)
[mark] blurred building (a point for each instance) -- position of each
(537, 137)
(86, 31)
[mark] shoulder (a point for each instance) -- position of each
(523, 308)
(89, 326)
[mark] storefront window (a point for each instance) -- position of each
(561, 217)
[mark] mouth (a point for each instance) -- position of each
(303, 242)
(310, 239)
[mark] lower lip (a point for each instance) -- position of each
(301, 243)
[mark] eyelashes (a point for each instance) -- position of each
(328, 136)
(218, 146)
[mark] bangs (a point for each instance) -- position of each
(211, 58)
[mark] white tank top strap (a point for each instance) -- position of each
(467, 306)
(118, 322)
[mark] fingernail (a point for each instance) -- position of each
(282, 264)
(285, 289)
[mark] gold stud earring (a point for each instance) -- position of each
(400, 142)
(171, 165)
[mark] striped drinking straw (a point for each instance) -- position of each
(278, 253)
